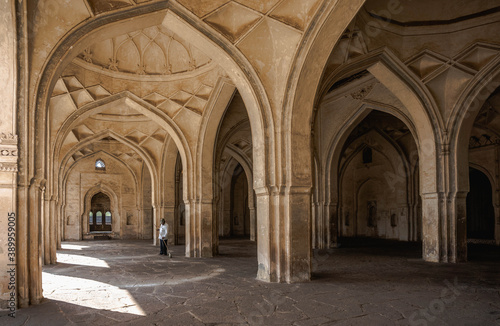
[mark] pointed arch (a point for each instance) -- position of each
(484, 84)
(420, 115)
(87, 205)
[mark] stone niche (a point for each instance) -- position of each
(118, 181)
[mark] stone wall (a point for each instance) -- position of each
(129, 191)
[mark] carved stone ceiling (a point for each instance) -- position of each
(234, 18)
(151, 51)
(147, 135)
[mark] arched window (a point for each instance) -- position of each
(107, 219)
(99, 165)
(367, 155)
(98, 217)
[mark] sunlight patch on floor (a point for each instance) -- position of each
(72, 246)
(81, 260)
(89, 293)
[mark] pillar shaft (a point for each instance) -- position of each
(444, 227)
(284, 234)
(35, 216)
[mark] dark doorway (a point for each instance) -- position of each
(480, 213)
(100, 213)
(240, 213)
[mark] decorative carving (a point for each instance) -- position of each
(8, 138)
(113, 64)
(147, 52)
(168, 69)
(362, 93)
(8, 152)
(141, 69)
(87, 55)
(8, 167)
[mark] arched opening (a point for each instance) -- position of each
(480, 211)
(478, 144)
(374, 176)
(180, 207)
(234, 202)
(100, 207)
(239, 211)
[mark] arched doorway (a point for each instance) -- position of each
(240, 212)
(100, 217)
(480, 211)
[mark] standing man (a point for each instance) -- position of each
(163, 237)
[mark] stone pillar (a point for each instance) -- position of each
(283, 235)
(53, 231)
(157, 213)
(201, 232)
(208, 230)
(297, 233)
(265, 253)
(34, 239)
(62, 226)
(314, 222)
(191, 227)
(459, 252)
(431, 226)
(9, 230)
(331, 212)
(9, 215)
(444, 227)
(46, 231)
(253, 224)
(22, 248)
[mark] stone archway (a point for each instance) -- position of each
(420, 116)
(88, 206)
(461, 123)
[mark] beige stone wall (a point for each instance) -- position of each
(369, 185)
(131, 208)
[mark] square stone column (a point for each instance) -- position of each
(284, 234)
(9, 221)
(444, 227)
(8, 218)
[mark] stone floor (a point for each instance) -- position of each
(362, 283)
